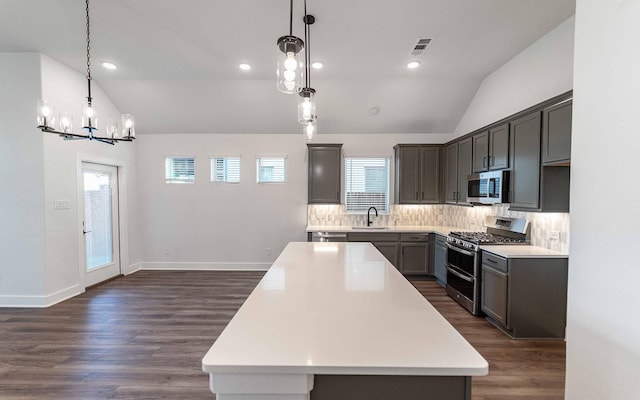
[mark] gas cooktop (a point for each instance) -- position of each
(487, 238)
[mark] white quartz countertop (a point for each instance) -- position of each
(509, 251)
(339, 308)
(441, 230)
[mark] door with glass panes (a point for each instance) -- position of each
(100, 223)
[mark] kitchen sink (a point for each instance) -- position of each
(371, 228)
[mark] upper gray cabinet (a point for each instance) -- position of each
(451, 173)
(458, 165)
(465, 168)
(324, 173)
(491, 149)
(556, 133)
(525, 162)
(417, 174)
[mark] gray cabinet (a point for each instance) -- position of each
(491, 149)
(440, 260)
(556, 133)
(498, 147)
(410, 253)
(458, 166)
(494, 288)
(465, 168)
(324, 173)
(525, 162)
(417, 174)
(415, 254)
(525, 297)
(535, 187)
(451, 173)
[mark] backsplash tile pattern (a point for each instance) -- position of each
(471, 218)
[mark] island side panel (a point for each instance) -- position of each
(376, 387)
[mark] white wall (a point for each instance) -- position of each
(213, 225)
(540, 72)
(67, 89)
(22, 236)
(603, 349)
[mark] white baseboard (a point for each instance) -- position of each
(40, 301)
(204, 266)
(132, 268)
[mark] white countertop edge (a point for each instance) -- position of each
(440, 230)
(318, 370)
(523, 251)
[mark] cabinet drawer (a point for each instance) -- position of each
(415, 237)
(372, 237)
(493, 261)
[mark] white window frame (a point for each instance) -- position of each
(170, 180)
(211, 167)
(284, 173)
(382, 210)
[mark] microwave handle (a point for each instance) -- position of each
(489, 186)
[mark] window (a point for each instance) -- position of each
(366, 184)
(225, 169)
(271, 169)
(179, 170)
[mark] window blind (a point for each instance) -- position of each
(225, 169)
(271, 169)
(366, 184)
(179, 170)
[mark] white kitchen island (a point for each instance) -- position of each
(338, 321)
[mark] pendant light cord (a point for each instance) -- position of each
(307, 56)
(290, 18)
(88, 54)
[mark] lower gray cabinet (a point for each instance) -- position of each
(440, 260)
(415, 254)
(525, 297)
(389, 250)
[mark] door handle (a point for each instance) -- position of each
(83, 231)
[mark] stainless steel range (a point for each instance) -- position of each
(463, 256)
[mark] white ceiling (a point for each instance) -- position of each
(178, 59)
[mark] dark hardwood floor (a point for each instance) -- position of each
(143, 337)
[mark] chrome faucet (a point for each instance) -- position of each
(369, 215)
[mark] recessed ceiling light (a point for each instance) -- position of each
(244, 66)
(109, 65)
(317, 65)
(413, 64)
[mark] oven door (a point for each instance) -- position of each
(463, 260)
(461, 282)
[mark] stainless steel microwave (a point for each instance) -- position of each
(488, 187)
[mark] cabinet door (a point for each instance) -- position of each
(440, 261)
(414, 258)
(481, 152)
(494, 293)
(324, 173)
(525, 162)
(465, 156)
(499, 147)
(556, 133)
(430, 174)
(408, 175)
(389, 251)
(451, 172)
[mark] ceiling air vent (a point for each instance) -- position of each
(421, 47)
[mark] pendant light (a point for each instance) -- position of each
(307, 103)
(289, 71)
(310, 129)
(47, 121)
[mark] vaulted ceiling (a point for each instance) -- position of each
(178, 60)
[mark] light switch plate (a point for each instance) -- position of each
(554, 235)
(61, 204)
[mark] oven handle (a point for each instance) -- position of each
(458, 249)
(459, 275)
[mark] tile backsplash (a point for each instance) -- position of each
(472, 218)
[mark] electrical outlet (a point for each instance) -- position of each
(61, 204)
(554, 235)
(167, 252)
(269, 251)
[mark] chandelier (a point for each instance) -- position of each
(64, 125)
